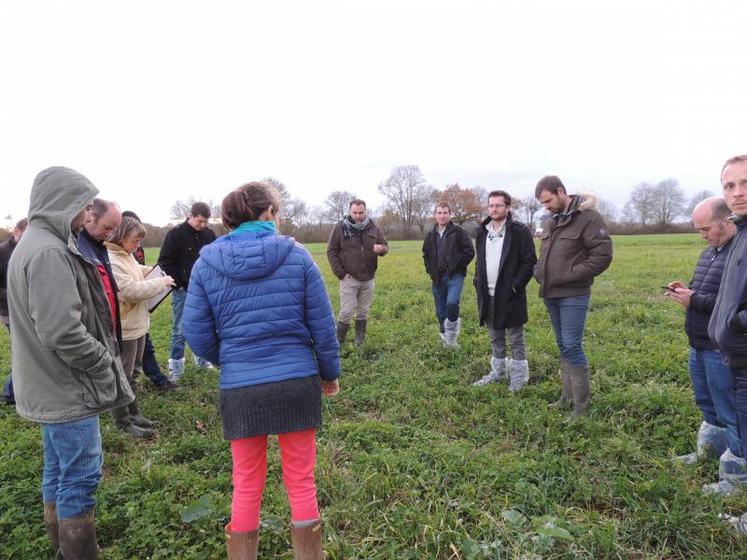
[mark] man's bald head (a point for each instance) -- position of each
(106, 217)
(710, 219)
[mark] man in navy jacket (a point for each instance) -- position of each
(728, 324)
(718, 434)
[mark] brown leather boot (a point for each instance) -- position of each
(51, 525)
(566, 393)
(580, 386)
(242, 546)
(307, 541)
(78, 537)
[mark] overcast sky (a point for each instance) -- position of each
(161, 100)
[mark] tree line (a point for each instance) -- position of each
(409, 201)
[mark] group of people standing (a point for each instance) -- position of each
(575, 248)
(715, 301)
(254, 303)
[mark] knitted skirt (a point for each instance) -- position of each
(271, 408)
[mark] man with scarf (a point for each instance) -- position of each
(353, 250)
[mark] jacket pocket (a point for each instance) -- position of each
(99, 389)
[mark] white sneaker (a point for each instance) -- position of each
(722, 488)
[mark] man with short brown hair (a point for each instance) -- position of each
(179, 252)
(575, 248)
(447, 251)
(353, 250)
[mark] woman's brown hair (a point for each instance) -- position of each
(247, 203)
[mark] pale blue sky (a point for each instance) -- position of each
(156, 101)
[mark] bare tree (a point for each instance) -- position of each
(669, 202)
(423, 208)
(464, 203)
(529, 207)
(405, 190)
(607, 209)
(697, 198)
(639, 209)
(336, 205)
(182, 208)
(291, 209)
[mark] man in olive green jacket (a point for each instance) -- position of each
(575, 248)
(66, 365)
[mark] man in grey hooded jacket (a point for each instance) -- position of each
(66, 365)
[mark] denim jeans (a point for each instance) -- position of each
(178, 297)
(739, 380)
(8, 386)
(446, 295)
(714, 393)
(72, 465)
(568, 317)
(150, 364)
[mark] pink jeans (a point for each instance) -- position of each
(298, 457)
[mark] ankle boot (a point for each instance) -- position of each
(122, 419)
(136, 418)
(566, 393)
(242, 546)
(78, 537)
(307, 541)
(51, 525)
(342, 332)
(580, 388)
(360, 331)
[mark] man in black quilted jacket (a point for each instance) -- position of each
(718, 435)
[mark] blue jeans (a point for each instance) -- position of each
(568, 318)
(739, 380)
(178, 297)
(714, 393)
(72, 465)
(446, 295)
(150, 365)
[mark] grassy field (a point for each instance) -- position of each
(414, 463)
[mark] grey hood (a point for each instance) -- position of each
(57, 197)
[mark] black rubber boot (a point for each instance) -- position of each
(342, 332)
(360, 331)
(566, 394)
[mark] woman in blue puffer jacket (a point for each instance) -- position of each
(257, 306)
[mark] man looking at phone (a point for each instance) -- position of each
(718, 435)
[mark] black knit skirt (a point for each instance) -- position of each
(271, 408)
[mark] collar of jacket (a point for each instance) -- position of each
(739, 221)
(95, 242)
(508, 222)
(561, 219)
(447, 229)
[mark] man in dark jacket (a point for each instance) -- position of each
(6, 249)
(728, 324)
(718, 435)
(179, 252)
(575, 248)
(353, 252)
(66, 365)
(505, 261)
(447, 251)
(105, 218)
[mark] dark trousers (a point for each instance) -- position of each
(151, 369)
(739, 377)
(8, 395)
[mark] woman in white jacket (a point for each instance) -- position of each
(133, 291)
